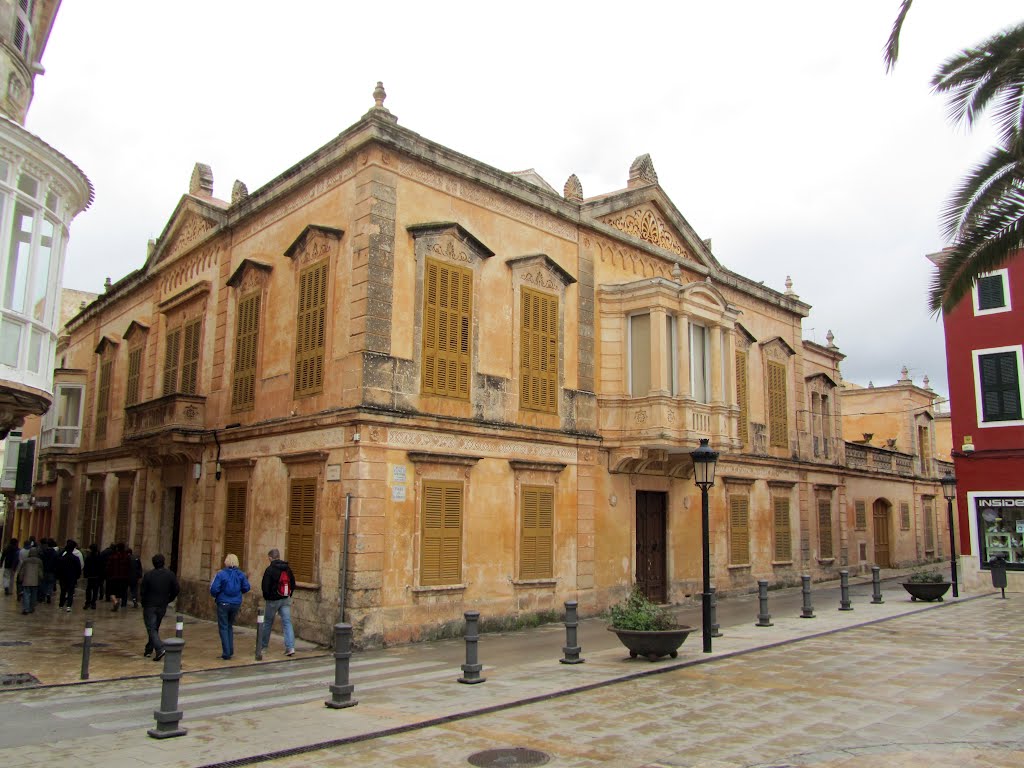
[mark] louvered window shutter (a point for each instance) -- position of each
(825, 528)
(234, 522)
(123, 522)
(1000, 387)
(538, 513)
(310, 341)
(742, 397)
(441, 548)
(447, 319)
(990, 292)
(739, 532)
(783, 536)
(243, 387)
(131, 396)
(860, 515)
(778, 410)
(190, 355)
(904, 516)
(103, 399)
(929, 527)
(538, 339)
(171, 356)
(301, 527)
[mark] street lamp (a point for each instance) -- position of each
(704, 460)
(949, 491)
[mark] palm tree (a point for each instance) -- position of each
(984, 218)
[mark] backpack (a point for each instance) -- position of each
(284, 584)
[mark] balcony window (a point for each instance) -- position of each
(19, 258)
(10, 342)
(62, 425)
(640, 355)
(699, 359)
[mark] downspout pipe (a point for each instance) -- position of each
(343, 581)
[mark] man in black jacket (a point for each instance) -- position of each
(158, 589)
(278, 586)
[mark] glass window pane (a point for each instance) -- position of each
(52, 201)
(41, 273)
(5, 169)
(70, 409)
(28, 185)
(10, 342)
(698, 363)
(36, 350)
(18, 261)
(640, 354)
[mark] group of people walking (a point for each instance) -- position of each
(34, 569)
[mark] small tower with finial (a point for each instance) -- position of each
(789, 288)
(378, 109)
(926, 382)
(830, 339)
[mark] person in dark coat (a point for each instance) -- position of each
(9, 562)
(93, 574)
(118, 571)
(158, 589)
(48, 554)
(30, 573)
(68, 570)
(135, 574)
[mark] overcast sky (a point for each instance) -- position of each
(772, 125)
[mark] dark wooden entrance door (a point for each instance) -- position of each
(881, 533)
(650, 545)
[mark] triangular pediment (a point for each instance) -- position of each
(192, 222)
(136, 328)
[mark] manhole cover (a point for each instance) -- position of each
(517, 756)
(18, 678)
(12, 643)
(93, 644)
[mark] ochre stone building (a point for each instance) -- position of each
(492, 386)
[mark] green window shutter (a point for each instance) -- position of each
(302, 527)
(447, 321)
(860, 515)
(131, 396)
(778, 409)
(537, 540)
(783, 533)
(172, 354)
(190, 357)
(243, 385)
(825, 528)
(123, 521)
(904, 516)
(234, 522)
(742, 397)
(929, 527)
(310, 334)
(739, 530)
(103, 399)
(441, 544)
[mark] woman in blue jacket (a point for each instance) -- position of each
(227, 589)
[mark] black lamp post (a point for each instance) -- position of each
(949, 491)
(704, 460)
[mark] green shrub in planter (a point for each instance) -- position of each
(639, 614)
(929, 576)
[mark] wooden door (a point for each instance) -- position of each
(650, 545)
(881, 533)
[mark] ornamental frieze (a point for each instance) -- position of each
(188, 270)
(449, 252)
(191, 231)
(632, 260)
(479, 446)
(642, 223)
(540, 278)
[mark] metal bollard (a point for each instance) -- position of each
(715, 627)
(86, 649)
(876, 585)
(168, 717)
(844, 591)
(259, 634)
(808, 609)
(763, 618)
(571, 649)
(179, 626)
(341, 691)
(471, 669)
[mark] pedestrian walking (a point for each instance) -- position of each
(133, 578)
(158, 589)
(118, 571)
(227, 589)
(92, 571)
(26, 545)
(68, 569)
(9, 562)
(49, 555)
(278, 587)
(30, 573)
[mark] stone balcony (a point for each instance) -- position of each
(169, 413)
(859, 456)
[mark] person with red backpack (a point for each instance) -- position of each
(278, 587)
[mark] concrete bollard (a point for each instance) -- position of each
(179, 626)
(808, 609)
(471, 669)
(876, 585)
(571, 649)
(715, 627)
(764, 619)
(168, 717)
(86, 648)
(341, 691)
(259, 634)
(844, 591)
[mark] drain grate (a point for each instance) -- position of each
(18, 678)
(514, 757)
(12, 643)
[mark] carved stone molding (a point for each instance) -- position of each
(477, 446)
(313, 243)
(535, 466)
(645, 224)
(632, 260)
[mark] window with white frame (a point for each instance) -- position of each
(640, 363)
(699, 363)
(991, 293)
(997, 386)
(62, 424)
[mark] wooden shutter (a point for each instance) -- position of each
(301, 527)
(904, 516)
(778, 409)
(739, 530)
(783, 534)
(538, 341)
(825, 528)
(742, 397)
(537, 541)
(929, 527)
(441, 548)
(171, 356)
(234, 522)
(122, 524)
(860, 515)
(243, 386)
(131, 396)
(447, 317)
(103, 399)
(990, 292)
(190, 357)
(1000, 387)
(310, 334)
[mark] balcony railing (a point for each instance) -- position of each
(860, 456)
(164, 414)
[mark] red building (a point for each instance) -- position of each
(984, 338)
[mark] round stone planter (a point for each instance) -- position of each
(652, 644)
(927, 591)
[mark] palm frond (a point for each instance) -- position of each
(892, 46)
(981, 189)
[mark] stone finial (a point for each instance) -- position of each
(238, 191)
(107, 284)
(573, 190)
(890, 443)
(789, 287)
(904, 374)
(830, 339)
(150, 247)
(642, 173)
(677, 273)
(201, 183)
(707, 242)
(81, 305)
(871, 385)
(379, 94)
(926, 382)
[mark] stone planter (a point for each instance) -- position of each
(652, 644)
(927, 591)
